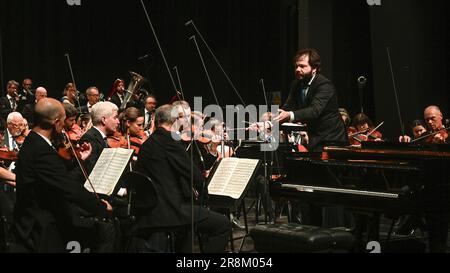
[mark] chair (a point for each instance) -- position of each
(142, 198)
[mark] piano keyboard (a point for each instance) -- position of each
(304, 188)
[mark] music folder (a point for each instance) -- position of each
(229, 180)
(108, 169)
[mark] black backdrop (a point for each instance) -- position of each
(253, 39)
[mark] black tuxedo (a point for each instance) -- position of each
(45, 194)
(165, 161)
(116, 100)
(319, 109)
(97, 142)
(5, 107)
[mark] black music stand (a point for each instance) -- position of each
(228, 203)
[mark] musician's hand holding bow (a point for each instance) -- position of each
(85, 150)
(404, 139)
(109, 208)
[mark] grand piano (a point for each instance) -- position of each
(377, 178)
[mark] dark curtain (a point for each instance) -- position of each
(104, 40)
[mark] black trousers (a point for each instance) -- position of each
(214, 232)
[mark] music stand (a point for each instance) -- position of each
(225, 201)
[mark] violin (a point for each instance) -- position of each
(437, 137)
(7, 155)
(68, 149)
(137, 141)
(355, 137)
(75, 133)
(117, 141)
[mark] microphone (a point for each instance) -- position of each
(361, 81)
(188, 23)
(143, 57)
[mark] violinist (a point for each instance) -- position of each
(166, 162)
(132, 128)
(85, 122)
(418, 129)
(105, 122)
(70, 125)
(14, 128)
(46, 191)
(433, 119)
(70, 94)
(362, 129)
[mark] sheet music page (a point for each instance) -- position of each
(108, 169)
(232, 176)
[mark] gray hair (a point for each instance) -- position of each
(165, 115)
(12, 82)
(13, 115)
(88, 91)
(101, 110)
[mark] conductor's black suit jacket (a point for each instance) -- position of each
(45, 194)
(319, 111)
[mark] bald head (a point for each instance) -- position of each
(41, 93)
(433, 117)
(47, 111)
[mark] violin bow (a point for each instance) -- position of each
(73, 80)
(395, 90)
(374, 129)
(83, 169)
(430, 134)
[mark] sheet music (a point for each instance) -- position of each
(232, 176)
(108, 169)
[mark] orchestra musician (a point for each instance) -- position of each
(418, 129)
(149, 114)
(27, 111)
(45, 189)
(9, 103)
(132, 128)
(166, 162)
(433, 118)
(105, 122)
(70, 94)
(70, 125)
(117, 93)
(312, 99)
(362, 129)
(93, 96)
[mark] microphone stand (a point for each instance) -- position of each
(191, 22)
(192, 38)
(176, 92)
(1, 57)
(175, 68)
